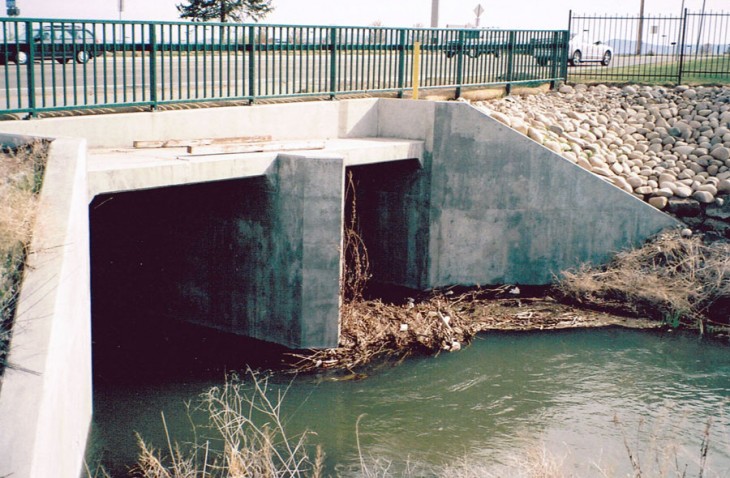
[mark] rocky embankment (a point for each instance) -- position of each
(669, 146)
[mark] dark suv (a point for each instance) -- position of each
(62, 43)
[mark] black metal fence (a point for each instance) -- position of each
(687, 48)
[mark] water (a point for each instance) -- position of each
(579, 397)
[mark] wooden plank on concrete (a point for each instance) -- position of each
(181, 143)
(255, 147)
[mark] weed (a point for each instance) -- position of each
(672, 279)
(21, 177)
(247, 438)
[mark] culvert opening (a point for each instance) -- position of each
(386, 223)
(162, 265)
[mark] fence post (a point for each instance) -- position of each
(555, 58)
(564, 70)
(570, 20)
(401, 62)
(251, 51)
(510, 61)
(682, 41)
(459, 63)
(153, 66)
(333, 63)
(30, 67)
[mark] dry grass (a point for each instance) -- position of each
(21, 174)
(674, 279)
(245, 437)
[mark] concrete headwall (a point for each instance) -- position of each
(290, 121)
(45, 399)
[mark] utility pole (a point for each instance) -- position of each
(641, 28)
(434, 13)
(699, 32)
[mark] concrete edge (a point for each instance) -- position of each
(45, 399)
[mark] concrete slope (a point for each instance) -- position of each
(505, 209)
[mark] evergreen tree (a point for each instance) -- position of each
(225, 10)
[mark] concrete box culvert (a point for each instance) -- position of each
(483, 205)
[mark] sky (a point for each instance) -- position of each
(507, 14)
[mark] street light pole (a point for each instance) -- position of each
(434, 13)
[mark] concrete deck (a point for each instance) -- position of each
(129, 169)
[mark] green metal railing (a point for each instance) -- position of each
(55, 65)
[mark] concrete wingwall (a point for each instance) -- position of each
(503, 209)
(45, 397)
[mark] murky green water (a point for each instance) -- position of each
(578, 397)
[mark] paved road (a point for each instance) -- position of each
(125, 78)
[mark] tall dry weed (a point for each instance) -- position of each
(672, 278)
(21, 176)
(356, 263)
(245, 437)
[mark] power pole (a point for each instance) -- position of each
(434, 13)
(641, 28)
(699, 32)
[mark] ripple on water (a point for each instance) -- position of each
(578, 394)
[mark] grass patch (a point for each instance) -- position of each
(21, 176)
(696, 70)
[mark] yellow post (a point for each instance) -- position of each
(416, 67)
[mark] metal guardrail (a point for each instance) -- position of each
(691, 47)
(55, 65)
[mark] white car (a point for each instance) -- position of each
(583, 50)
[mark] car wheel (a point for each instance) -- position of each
(606, 60)
(542, 61)
(576, 58)
(21, 58)
(82, 56)
(473, 53)
(63, 60)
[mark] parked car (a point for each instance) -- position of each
(473, 46)
(62, 43)
(582, 50)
